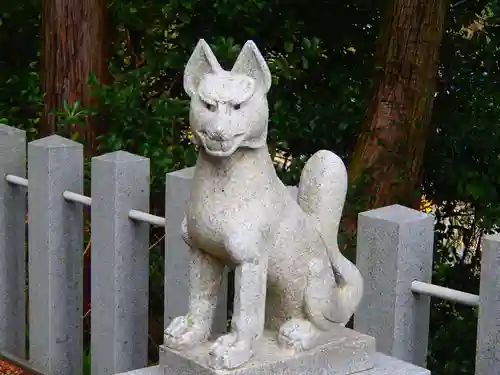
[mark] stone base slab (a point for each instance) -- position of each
(151, 370)
(384, 365)
(348, 352)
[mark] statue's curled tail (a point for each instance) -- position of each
(322, 194)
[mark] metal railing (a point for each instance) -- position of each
(395, 247)
(394, 255)
(444, 293)
(120, 255)
(87, 201)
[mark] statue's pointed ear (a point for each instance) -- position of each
(201, 62)
(251, 63)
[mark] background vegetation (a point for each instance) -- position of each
(328, 59)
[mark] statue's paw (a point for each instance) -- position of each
(184, 333)
(229, 352)
(298, 334)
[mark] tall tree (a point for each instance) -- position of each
(74, 45)
(391, 146)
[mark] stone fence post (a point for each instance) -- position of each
(55, 164)
(12, 243)
(120, 263)
(488, 331)
(395, 247)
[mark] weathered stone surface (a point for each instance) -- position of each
(12, 242)
(394, 247)
(55, 165)
(177, 259)
(152, 370)
(289, 273)
(488, 330)
(347, 352)
(385, 365)
(120, 259)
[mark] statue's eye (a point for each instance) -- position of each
(211, 107)
(237, 106)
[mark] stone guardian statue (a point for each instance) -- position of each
(290, 276)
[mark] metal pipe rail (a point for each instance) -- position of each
(147, 218)
(16, 180)
(447, 294)
(77, 198)
(135, 215)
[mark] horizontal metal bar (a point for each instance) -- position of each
(77, 198)
(87, 201)
(147, 218)
(21, 363)
(445, 293)
(16, 180)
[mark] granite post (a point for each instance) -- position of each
(488, 332)
(12, 243)
(55, 164)
(177, 286)
(120, 268)
(395, 247)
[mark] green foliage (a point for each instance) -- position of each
(20, 93)
(150, 126)
(87, 364)
(321, 57)
(461, 154)
(146, 108)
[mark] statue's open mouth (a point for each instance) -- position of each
(221, 148)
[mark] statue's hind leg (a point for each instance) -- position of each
(311, 328)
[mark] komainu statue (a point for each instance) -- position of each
(290, 276)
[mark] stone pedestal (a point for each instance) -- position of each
(349, 352)
(383, 365)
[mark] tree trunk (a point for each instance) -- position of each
(387, 162)
(74, 45)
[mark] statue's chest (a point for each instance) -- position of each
(216, 212)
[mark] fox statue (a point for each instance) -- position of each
(290, 276)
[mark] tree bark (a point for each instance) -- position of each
(387, 161)
(74, 45)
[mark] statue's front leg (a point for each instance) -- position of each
(205, 279)
(247, 325)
